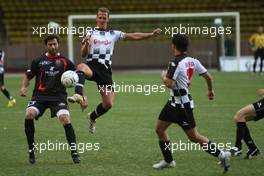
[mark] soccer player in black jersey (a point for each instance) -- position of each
(11, 101)
(179, 108)
(98, 47)
(48, 93)
(254, 111)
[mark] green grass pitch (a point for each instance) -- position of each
(127, 140)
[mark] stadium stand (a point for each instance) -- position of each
(19, 16)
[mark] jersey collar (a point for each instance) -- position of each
(98, 29)
(180, 56)
(50, 56)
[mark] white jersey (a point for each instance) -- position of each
(102, 45)
(181, 70)
(2, 61)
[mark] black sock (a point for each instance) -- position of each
(98, 112)
(240, 133)
(248, 139)
(7, 94)
(165, 148)
(30, 130)
(71, 138)
(211, 149)
(80, 85)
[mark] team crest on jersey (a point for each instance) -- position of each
(52, 68)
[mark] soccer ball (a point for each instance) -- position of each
(69, 78)
(53, 24)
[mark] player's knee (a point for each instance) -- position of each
(159, 131)
(83, 67)
(30, 114)
(2, 88)
(64, 119)
(108, 105)
(80, 67)
(239, 117)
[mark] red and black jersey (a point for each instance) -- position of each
(48, 70)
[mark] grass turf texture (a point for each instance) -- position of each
(128, 143)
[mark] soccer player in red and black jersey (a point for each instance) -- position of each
(48, 93)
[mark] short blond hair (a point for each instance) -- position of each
(104, 10)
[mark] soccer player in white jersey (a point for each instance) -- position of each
(11, 101)
(179, 108)
(98, 48)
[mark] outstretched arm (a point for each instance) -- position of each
(209, 80)
(141, 35)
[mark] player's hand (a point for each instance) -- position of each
(210, 95)
(23, 91)
(260, 92)
(156, 32)
(253, 48)
(86, 39)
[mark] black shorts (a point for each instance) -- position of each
(259, 53)
(55, 107)
(182, 116)
(101, 75)
(259, 108)
(1, 79)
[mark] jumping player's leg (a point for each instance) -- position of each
(245, 114)
(83, 72)
(107, 96)
(64, 117)
(209, 147)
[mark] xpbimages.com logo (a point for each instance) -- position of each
(146, 89)
(55, 28)
(211, 31)
(190, 146)
(62, 146)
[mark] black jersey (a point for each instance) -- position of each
(48, 71)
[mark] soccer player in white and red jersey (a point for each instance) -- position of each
(179, 108)
(98, 48)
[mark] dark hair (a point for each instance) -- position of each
(104, 10)
(51, 37)
(181, 42)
